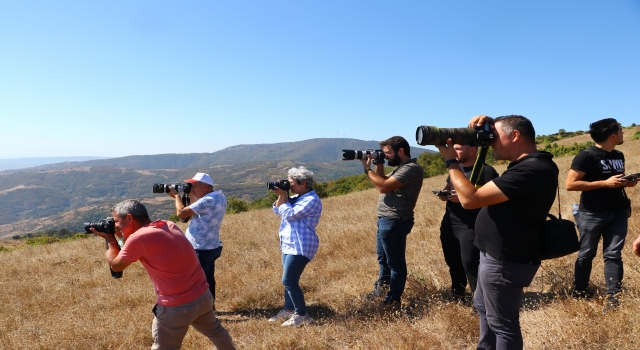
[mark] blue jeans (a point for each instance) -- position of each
(207, 260)
(391, 245)
(497, 299)
(292, 267)
(612, 227)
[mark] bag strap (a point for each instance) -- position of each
(559, 212)
(558, 187)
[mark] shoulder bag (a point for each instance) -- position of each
(558, 235)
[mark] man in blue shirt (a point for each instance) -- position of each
(206, 218)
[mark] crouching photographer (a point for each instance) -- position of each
(183, 296)
(298, 239)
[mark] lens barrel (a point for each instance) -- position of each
(432, 135)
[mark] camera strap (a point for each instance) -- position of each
(478, 166)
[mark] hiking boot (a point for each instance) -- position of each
(281, 316)
(612, 303)
(379, 291)
(296, 320)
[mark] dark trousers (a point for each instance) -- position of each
(207, 260)
(498, 298)
(612, 227)
(391, 244)
(460, 254)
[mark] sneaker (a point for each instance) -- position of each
(281, 316)
(296, 320)
(612, 303)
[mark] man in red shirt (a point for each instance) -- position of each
(183, 296)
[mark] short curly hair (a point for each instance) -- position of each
(300, 174)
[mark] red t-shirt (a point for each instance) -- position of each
(170, 260)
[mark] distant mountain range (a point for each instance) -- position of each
(20, 163)
(36, 198)
(314, 150)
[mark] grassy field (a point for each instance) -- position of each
(61, 295)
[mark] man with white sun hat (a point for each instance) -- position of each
(206, 218)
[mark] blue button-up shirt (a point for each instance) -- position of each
(300, 216)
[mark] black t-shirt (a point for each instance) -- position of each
(454, 212)
(509, 230)
(598, 164)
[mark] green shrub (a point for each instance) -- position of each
(636, 135)
(42, 240)
(236, 205)
(561, 150)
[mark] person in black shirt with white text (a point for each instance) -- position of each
(514, 208)
(457, 227)
(604, 207)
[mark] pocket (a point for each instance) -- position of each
(518, 275)
(158, 311)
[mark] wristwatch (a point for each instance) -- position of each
(367, 170)
(450, 161)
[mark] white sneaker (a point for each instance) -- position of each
(296, 320)
(281, 316)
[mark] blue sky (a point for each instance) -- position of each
(116, 78)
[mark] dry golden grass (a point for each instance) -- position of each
(61, 296)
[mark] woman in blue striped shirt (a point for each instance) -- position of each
(299, 242)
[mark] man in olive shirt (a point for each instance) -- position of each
(398, 195)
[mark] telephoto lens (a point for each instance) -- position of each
(432, 135)
(377, 156)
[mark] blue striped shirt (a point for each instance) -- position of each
(300, 216)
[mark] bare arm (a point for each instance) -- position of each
(636, 246)
(113, 249)
(181, 210)
(383, 183)
(471, 197)
(575, 182)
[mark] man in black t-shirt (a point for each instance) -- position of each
(604, 208)
(514, 208)
(457, 227)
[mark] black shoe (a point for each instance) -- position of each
(612, 303)
(458, 296)
(581, 294)
(391, 305)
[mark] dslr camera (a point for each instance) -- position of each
(166, 188)
(282, 184)
(107, 225)
(432, 135)
(376, 155)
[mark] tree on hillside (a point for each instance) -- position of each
(432, 163)
(236, 205)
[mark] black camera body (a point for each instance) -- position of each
(376, 155)
(441, 193)
(282, 184)
(431, 135)
(632, 177)
(107, 225)
(166, 188)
